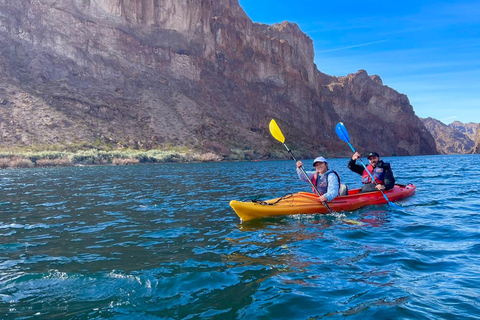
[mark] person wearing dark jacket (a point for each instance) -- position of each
(381, 171)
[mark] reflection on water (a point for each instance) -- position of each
(161, 242)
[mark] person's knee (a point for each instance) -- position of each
(369, 187)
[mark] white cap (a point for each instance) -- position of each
(319, 159)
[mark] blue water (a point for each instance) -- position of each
(161, 242)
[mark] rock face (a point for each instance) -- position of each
(469, 129)
(476, 148)
(200, 74)
(453, 138)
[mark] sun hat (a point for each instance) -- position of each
(319, 159)
(373, 154)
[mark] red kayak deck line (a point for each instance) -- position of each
(308, 203)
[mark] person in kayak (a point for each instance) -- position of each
(381, 171)
(327, 184)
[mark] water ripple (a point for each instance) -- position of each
(158, 242)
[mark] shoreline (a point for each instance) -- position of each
(10, 159)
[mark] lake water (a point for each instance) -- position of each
(161, 242)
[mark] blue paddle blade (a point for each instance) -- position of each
(342, 132)
(394, 205)
(343, 135)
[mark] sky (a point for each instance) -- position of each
(428, 50)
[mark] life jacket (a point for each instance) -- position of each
(378, 173)
(322, 184)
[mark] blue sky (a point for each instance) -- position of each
(428, 50)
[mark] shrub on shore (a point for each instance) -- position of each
(16, 162)
(55, 157)
(122, 162)
(100, 157)
(58, 162)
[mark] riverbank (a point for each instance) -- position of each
(32, 159)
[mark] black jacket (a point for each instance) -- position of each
(389, 179)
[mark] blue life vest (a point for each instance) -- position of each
(322, 183)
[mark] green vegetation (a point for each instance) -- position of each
(53, 158)
(87, 154)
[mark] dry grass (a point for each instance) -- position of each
(55, 158)
(17, 162)
(122, 162)
(209, 157)
(58, 162)
(4, 163)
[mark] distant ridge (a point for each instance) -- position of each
(455, 138)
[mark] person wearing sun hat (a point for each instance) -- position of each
(327, 184)
(381, 171)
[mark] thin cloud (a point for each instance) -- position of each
(355, 46)
(449, 119)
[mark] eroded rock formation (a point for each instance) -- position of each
(469, 128)
(476, 148)
(452, 138)
(145, 73)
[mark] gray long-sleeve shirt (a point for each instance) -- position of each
(332, 188)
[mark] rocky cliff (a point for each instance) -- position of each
(476, 148)
(454, 138)
(200, 74)
(469, 128)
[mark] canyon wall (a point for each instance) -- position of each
(195, 74)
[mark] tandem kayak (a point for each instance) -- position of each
(308, 203)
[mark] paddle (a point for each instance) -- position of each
(277, 134)
(343, 135)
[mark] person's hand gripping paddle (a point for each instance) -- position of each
(277, 134)
(343, 135)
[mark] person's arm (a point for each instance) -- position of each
(302, 176)
(333, 186)
(352, 165)
(389, 179)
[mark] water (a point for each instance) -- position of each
(161, 242)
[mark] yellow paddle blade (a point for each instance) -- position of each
(275, 131)
(349, 221)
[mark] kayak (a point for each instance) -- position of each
(308, 203)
